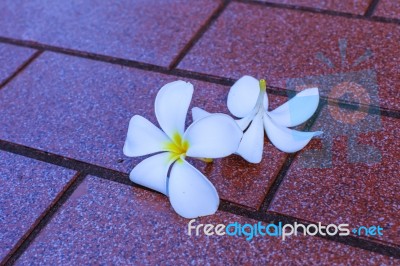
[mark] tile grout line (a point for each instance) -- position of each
(371, 8)
(320, 11)
(273, 189)
(21, 68)
(119, 61)
(122, 178)
(41, 222)
(185, 74)
(197, 36)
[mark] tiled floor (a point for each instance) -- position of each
(73, 73)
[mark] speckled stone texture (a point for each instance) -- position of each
(109, 223)
(11, 57)
(148, 31)
(388, 8)
(28, 188)
(350, 176)
(82, 111)
(280, 44)
(353, 6)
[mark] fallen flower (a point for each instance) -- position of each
(191, 194)
(248, 100)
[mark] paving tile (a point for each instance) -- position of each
(281, 45)
(82, 111)
(110, 223)
(11, 57)
(350, 176)
(355, 7)
(387, 8)
(147, 31)
(28, 187)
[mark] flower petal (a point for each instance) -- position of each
(214, 136)
(143, 138)
(243, 96)
(285, 139)
(251, 146)
(265, 102)
(298, 109)
(244, 122)
(198, 113)
(152, 172)
(171, 106)
(190, 192)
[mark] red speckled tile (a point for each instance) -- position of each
(82, 109)
(281, 45)
(350, 176)
(28, 187)
(151, 31)
(11, 57)
(110, 223)
(354, 6)
(388, 8)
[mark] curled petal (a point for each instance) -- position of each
(198, 113)
(297, 110)
(143, 138)
(190, 192)
(171, 106)
(243, 95)
(152, 172)
(285, 139)
(214, 136)
(251, 146)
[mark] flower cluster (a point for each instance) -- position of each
(210, 136)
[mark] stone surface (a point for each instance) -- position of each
(350, 176)
(109, 223)
(28, 188)
(147, 31)
(281, 45)
(354, 6)
(388, 8)
(82, 111)
(11, 57)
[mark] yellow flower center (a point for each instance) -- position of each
(263, 85)
(177, 146)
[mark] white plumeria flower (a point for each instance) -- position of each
(191, 194)
(248, 100)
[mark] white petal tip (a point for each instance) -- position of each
(126, 151)
(309, 92)
(191, 194)
(143, 138)
(243, 96)
(171, 106)
(251, 160)
(198, 113)
(211, 212)
(318, 133)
